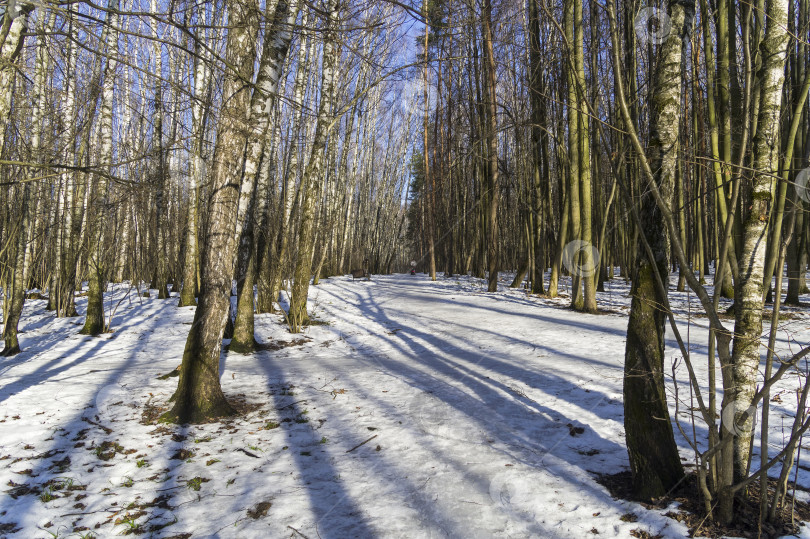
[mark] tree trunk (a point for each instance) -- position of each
(66, 253)
(654, 459)
(429, 209)
(270, 285)
(13, 28)
(749, 291)
(161, 251)
(491, 127)
(313, 178)
(202, 75)
(274, 51)
(199, 395)
(572, 103)
(94, 320)
(540, 180)
(18, 277)
(587, 260)
(23, 252)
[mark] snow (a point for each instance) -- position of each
(483, 415)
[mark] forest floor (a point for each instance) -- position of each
(413, 409)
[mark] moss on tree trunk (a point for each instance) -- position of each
(94, 321)
(654, 458)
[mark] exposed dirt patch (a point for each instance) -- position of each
(152, 412)
(107, 450)
(182, 454)
(150, 415)
(692, 514)
(259, 510)
(9, 527)
(278, 345)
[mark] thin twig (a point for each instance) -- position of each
(248, 453)
(292, 403)
(362, 443)
(299, 533)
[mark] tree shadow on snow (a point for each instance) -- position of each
(91, 432)
(447, 370)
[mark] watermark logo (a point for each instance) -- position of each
(802, 187)
(429, 414)
(511, 490)
(739, 417)
(414, 100)
(652, 25)
(581, 258)
(15, 8)
(109, 398)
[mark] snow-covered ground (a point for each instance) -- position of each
(418, 409)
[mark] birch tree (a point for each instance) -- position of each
(94, 320)
(28, 195)
(745, 358)
(276, 44)
(199, 396)
(271, 274)
(312, 179)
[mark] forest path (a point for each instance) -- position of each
(414, 409)
(495, 407)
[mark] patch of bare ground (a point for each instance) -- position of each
(278, 345)
(271, 346)
(152, 411)
(691, 510)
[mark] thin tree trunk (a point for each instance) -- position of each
(313, 177)
(274, 51)
(490, 113)
(23, 252)
(749, 291)
(586, 255)
(429, 180)
(574, 161)
(94, 320)
(13, 30)
(269, 293)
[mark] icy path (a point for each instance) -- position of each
(490, 414)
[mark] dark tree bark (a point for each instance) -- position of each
(654, 459)
(492, 148)
(540, 179)
(15, 306)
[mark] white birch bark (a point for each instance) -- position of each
(199, 395)
(13, 29)
(29, 196)
(64, 253)
(94, 321)
(306, 55)
(202, 81)
(749, 291)
(313, 177)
